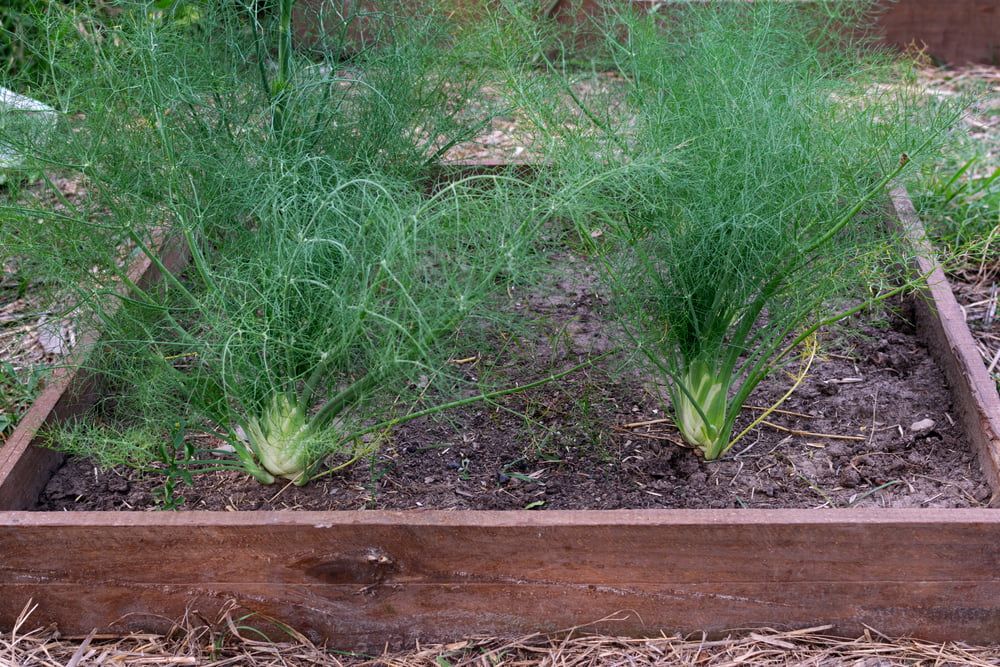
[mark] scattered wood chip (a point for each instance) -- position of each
(851, 380)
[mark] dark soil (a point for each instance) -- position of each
(872, 427)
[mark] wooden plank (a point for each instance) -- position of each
(952, 31)
(956, 31)
(941, 323)
(72, 389)
(447, 547)
(359, 579)
(350, 618)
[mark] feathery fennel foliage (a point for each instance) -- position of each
(323, 278)
(745, 186)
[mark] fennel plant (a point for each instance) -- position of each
(324, 281)
(745, 183)
(308, 327)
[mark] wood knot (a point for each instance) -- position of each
(371, 566)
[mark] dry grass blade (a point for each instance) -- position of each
(810, 434)
(764, 647)
(78, 654)
(234, 637)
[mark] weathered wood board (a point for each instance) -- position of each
(360, 580)
(941, 322)
(951, 31)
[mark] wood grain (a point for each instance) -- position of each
(952, 31)
(360, 579)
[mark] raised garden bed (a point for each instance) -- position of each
(366, 578)
(361, 579)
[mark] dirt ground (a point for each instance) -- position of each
(869, 427)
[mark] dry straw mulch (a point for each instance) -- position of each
(231, 639)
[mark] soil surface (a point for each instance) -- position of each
(870, 426)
